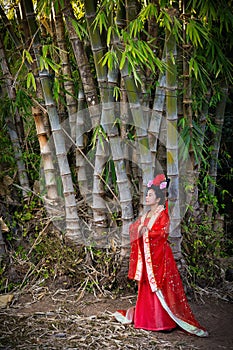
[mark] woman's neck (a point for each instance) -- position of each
(154, 207)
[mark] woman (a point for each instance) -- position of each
(161, 304)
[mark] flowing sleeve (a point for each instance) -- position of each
(158, 247)
(160, 229)
(134, 248)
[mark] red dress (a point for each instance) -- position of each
(161, 302)
(149, 313)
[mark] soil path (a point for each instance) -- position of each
(59, 320)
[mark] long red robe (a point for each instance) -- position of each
(161, 302)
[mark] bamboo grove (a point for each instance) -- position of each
(116, 92)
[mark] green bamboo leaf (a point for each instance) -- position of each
(117, 92)
(42, 67)
(79, 29)
(56, 89)
(177, 29)
(110, 61)
(109, 34)
(28, 56)
(105, 58)
(123, 58)
(110, 58)
(44, 63)
(94, 137)
(193, 67)
(101, 20)
(196, 33)
(55, 67)
(133, 70)
(29, 79)
(33, 82)
(136, 27)
(45, 50)
(165, 20)
(148, 12)
(141, 52)
(196, 151)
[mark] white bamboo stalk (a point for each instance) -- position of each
(71, 102)
(141, 126)
(98, 192)
(46, 156)
(154, 130)
(73, 230)
(88, 83)
(219, 120)
(116, 148)
(172, 145)
(81, 128)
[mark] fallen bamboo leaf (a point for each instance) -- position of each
(5, 300)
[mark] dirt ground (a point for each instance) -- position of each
(64, 319)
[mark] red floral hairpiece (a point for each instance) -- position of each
(159, 180)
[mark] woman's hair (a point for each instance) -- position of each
(161, 194)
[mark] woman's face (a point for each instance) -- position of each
(151, 198)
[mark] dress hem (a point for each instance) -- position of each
(157, 329)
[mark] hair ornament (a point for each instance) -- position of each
(163, 185)
(160, 180)
(150, 183)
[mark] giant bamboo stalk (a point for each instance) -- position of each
(172, 144)
(216, 141)
(46, 159)
(139, 117)
(153, 32)
(99, 204)
(154, 129)
(108, 122)
(73, 230)
(117, 150)
(117, 153)
(81, 162)
(191, 176)
(43, 133)
(87, 94)
(71, 102)
(84, 67)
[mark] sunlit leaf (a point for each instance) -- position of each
(28, 56)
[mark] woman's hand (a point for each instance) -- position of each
(142, 231)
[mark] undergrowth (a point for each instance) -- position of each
(203, 248)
